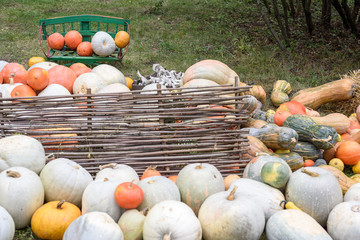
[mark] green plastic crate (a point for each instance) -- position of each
(87, 25)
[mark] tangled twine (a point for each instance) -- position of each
(170, 79)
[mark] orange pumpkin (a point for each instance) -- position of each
(1, 78)
(52, 219)
(38, 78)
(80, 68)
(56, 41)
(349, 152)
(353, 125)
(122, 39)
(173, 178)
(14, 73)
(72, 39)
(308, 163)
(23, 91)
(59, 139)
(84, 49)
(280, 117)
(62, 75)
(294, 107)
(128, 195)
(149, 172)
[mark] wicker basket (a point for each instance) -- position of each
(168, 129)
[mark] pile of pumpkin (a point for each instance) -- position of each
(102, 43)
(61, 200)
(48, 79)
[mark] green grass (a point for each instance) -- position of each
(179, 33)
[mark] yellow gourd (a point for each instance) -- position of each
(337, 163)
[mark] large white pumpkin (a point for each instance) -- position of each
(93, 226)
(7, 225)
(225, 216)
(344, 221)
(119, 172)
(54, 90)
(171, 220)
(89, 80)
(109, 74)
(64, 179)
(2, 64)
(266, 197)
(157, 189)
(21, 150)
(114, 88)
(21, 194)
(353, 194)
(294, 224)
(103, 44)
(131, 223)
(99, 197)
(44, 65)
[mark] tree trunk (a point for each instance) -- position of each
(281, 25)
(307, 10)
(292, 9)
(286, 19)
(267, 6)
(341, 12)
(349, 17)
(326, 13)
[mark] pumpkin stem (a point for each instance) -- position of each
(109, 165)
(13, 174)
(310, 173)
(167, 236)
(232, 194)
(59, 205)
(12, 75)
(145, 211)
(152, 167)
(131, 184)
(51, 156)
(199, 166)
(283, 202)
(106, 179)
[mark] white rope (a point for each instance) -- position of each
(170, 79)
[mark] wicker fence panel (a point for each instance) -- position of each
(166, 128)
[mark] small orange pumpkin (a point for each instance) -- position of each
(173, 178)
(149, 172)
(128, 195)
(349, 152)
(23, 91)
(56, 41)
(84, 49)
(14, 73)
(80, 68)
(122, 39)
(38, 78)
(308, 163)
(72, 39)
(294, 107)
(52, 219)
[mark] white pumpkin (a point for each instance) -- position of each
(266, 197)
(294, 224)
(344, 221)
(64, 179)
(6, 88)
(7, 225)
(225, 216)
(198, 83)
(157, 189)
(119, 172)
(353, 194)
(21, 194)
(21, 150)
(99, 197)
(131, 223)
(103, 44)
(153, 86)
(93, 226)
(44, 65)
(115, 88)
(173, 220)
(314, 190)
(2, 64)
(85, 81)
(54, 90)
(109, 74)
(197, 181)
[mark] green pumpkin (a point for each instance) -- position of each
(323, 137)
(275, 174)
(293, 159)
(307, 151)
